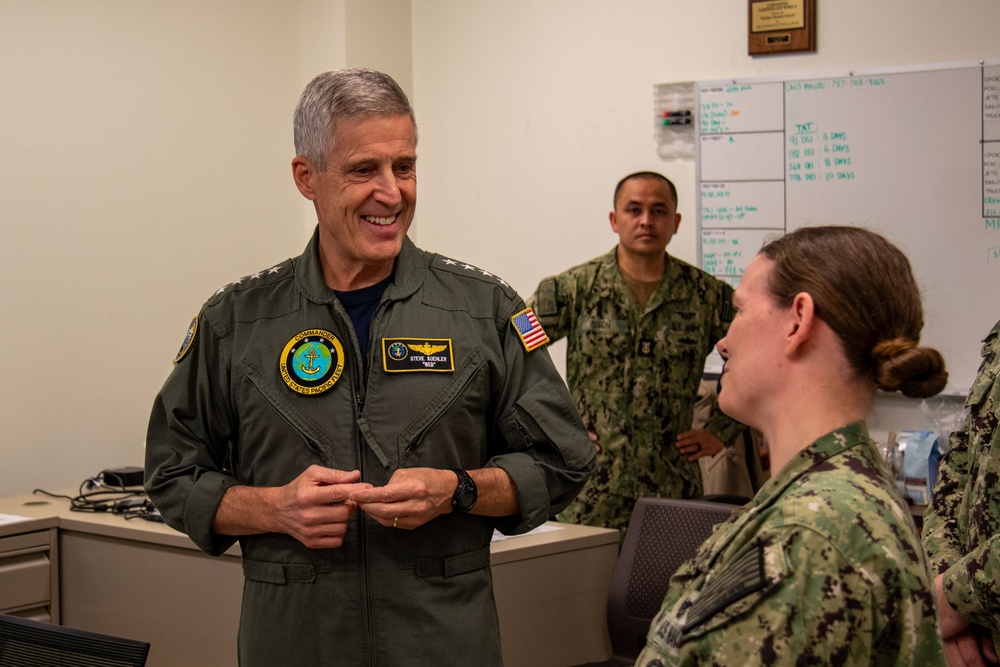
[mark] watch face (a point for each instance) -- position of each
(465, 493)
(466, 500)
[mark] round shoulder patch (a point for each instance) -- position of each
(188, 340)
(312, 361)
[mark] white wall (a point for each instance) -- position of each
(531, 111)
(146, 147)
(145, 163)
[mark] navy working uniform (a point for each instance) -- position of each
(822, 567)
(635, 373)
(271, 380)
(962, 525)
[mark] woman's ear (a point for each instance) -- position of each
(801, 322)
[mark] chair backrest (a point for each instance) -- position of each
(662, 534)
(28, 643)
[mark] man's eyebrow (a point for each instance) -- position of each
(636, 202)
(374, 159)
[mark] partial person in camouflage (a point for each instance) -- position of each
(639, 325)
(962, 525)
(824, 565)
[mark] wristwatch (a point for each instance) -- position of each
(465, 493)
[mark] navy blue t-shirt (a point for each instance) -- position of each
(360, 305)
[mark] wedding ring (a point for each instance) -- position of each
(395, 520)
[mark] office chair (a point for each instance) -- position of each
(662, 534)
(27, 643)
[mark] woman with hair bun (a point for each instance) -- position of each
(824, 565)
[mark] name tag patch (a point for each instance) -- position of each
(407, 355)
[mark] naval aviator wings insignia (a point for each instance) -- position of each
(406, 355)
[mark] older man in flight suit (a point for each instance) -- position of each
(365, 374)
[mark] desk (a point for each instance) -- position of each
(146, 581)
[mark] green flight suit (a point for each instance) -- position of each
(635, 376)
(240, 408)
(823, 567)
(962, 525)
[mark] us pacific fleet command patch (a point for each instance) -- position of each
(188, 340)
(312, 361)
(405, 355)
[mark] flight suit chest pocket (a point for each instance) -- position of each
(454, 414)
(267, 413)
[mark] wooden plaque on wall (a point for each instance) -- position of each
(781, 26)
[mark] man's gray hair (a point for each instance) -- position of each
(343, 93)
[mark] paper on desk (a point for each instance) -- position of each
(12, 518)
(544, 528)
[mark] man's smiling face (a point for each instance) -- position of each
(365, 200)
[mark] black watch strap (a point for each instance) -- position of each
(466, 492)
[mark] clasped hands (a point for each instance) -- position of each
(316, 507)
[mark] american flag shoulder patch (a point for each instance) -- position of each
(528, 328)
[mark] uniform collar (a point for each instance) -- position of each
(609, 261)
(813, 457)
(411, 267)
(662, 293)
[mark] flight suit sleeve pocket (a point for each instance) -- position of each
(542, 417)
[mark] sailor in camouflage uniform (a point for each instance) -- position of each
(639, 325)
(962, 526)
(823, 566)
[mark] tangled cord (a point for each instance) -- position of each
(97, 496)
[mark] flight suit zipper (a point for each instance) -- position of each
(361, 396)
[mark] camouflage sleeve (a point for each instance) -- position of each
(965, 514)
(807, 606)
(940, 535)
(553, 305)
(970, 585)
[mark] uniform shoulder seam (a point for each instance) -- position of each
(464, 270)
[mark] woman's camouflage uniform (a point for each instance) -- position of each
(823, 567)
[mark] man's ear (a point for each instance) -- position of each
(303, 174)
(677, 222)
(614, 223)
(801, 322)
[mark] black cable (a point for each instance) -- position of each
(96, 496)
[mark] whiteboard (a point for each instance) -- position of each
(913, 154)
